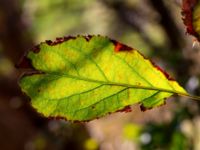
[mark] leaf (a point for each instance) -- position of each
(191, 17)
(86, 77)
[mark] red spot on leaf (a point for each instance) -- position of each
(24, 63)
(164, 72)
(81, 122)
(57, 118)
(158, 68)
(36, 49)
(59, 40)
(161, 70)
(88, 37)
(126, 109)
(143, 108)
(66, 38)
(120, 47)
(63, 118)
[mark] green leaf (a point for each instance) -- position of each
(191, 17)
(86, 77)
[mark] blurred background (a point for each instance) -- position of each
(154, 27)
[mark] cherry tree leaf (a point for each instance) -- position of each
(191, 17)
(86, 77)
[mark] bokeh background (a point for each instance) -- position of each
(154, 27)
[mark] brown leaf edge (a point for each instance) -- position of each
(25, 63)
(187, 12)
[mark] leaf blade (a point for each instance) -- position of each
(93, 79)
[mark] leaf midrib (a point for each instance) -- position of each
(119, 84)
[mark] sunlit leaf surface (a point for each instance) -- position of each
(86, 77)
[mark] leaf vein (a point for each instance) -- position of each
(90, 58)
(134, 70)
(103, 99)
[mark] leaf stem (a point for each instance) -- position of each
(194, 97)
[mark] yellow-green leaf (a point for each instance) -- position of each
(86, 77)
